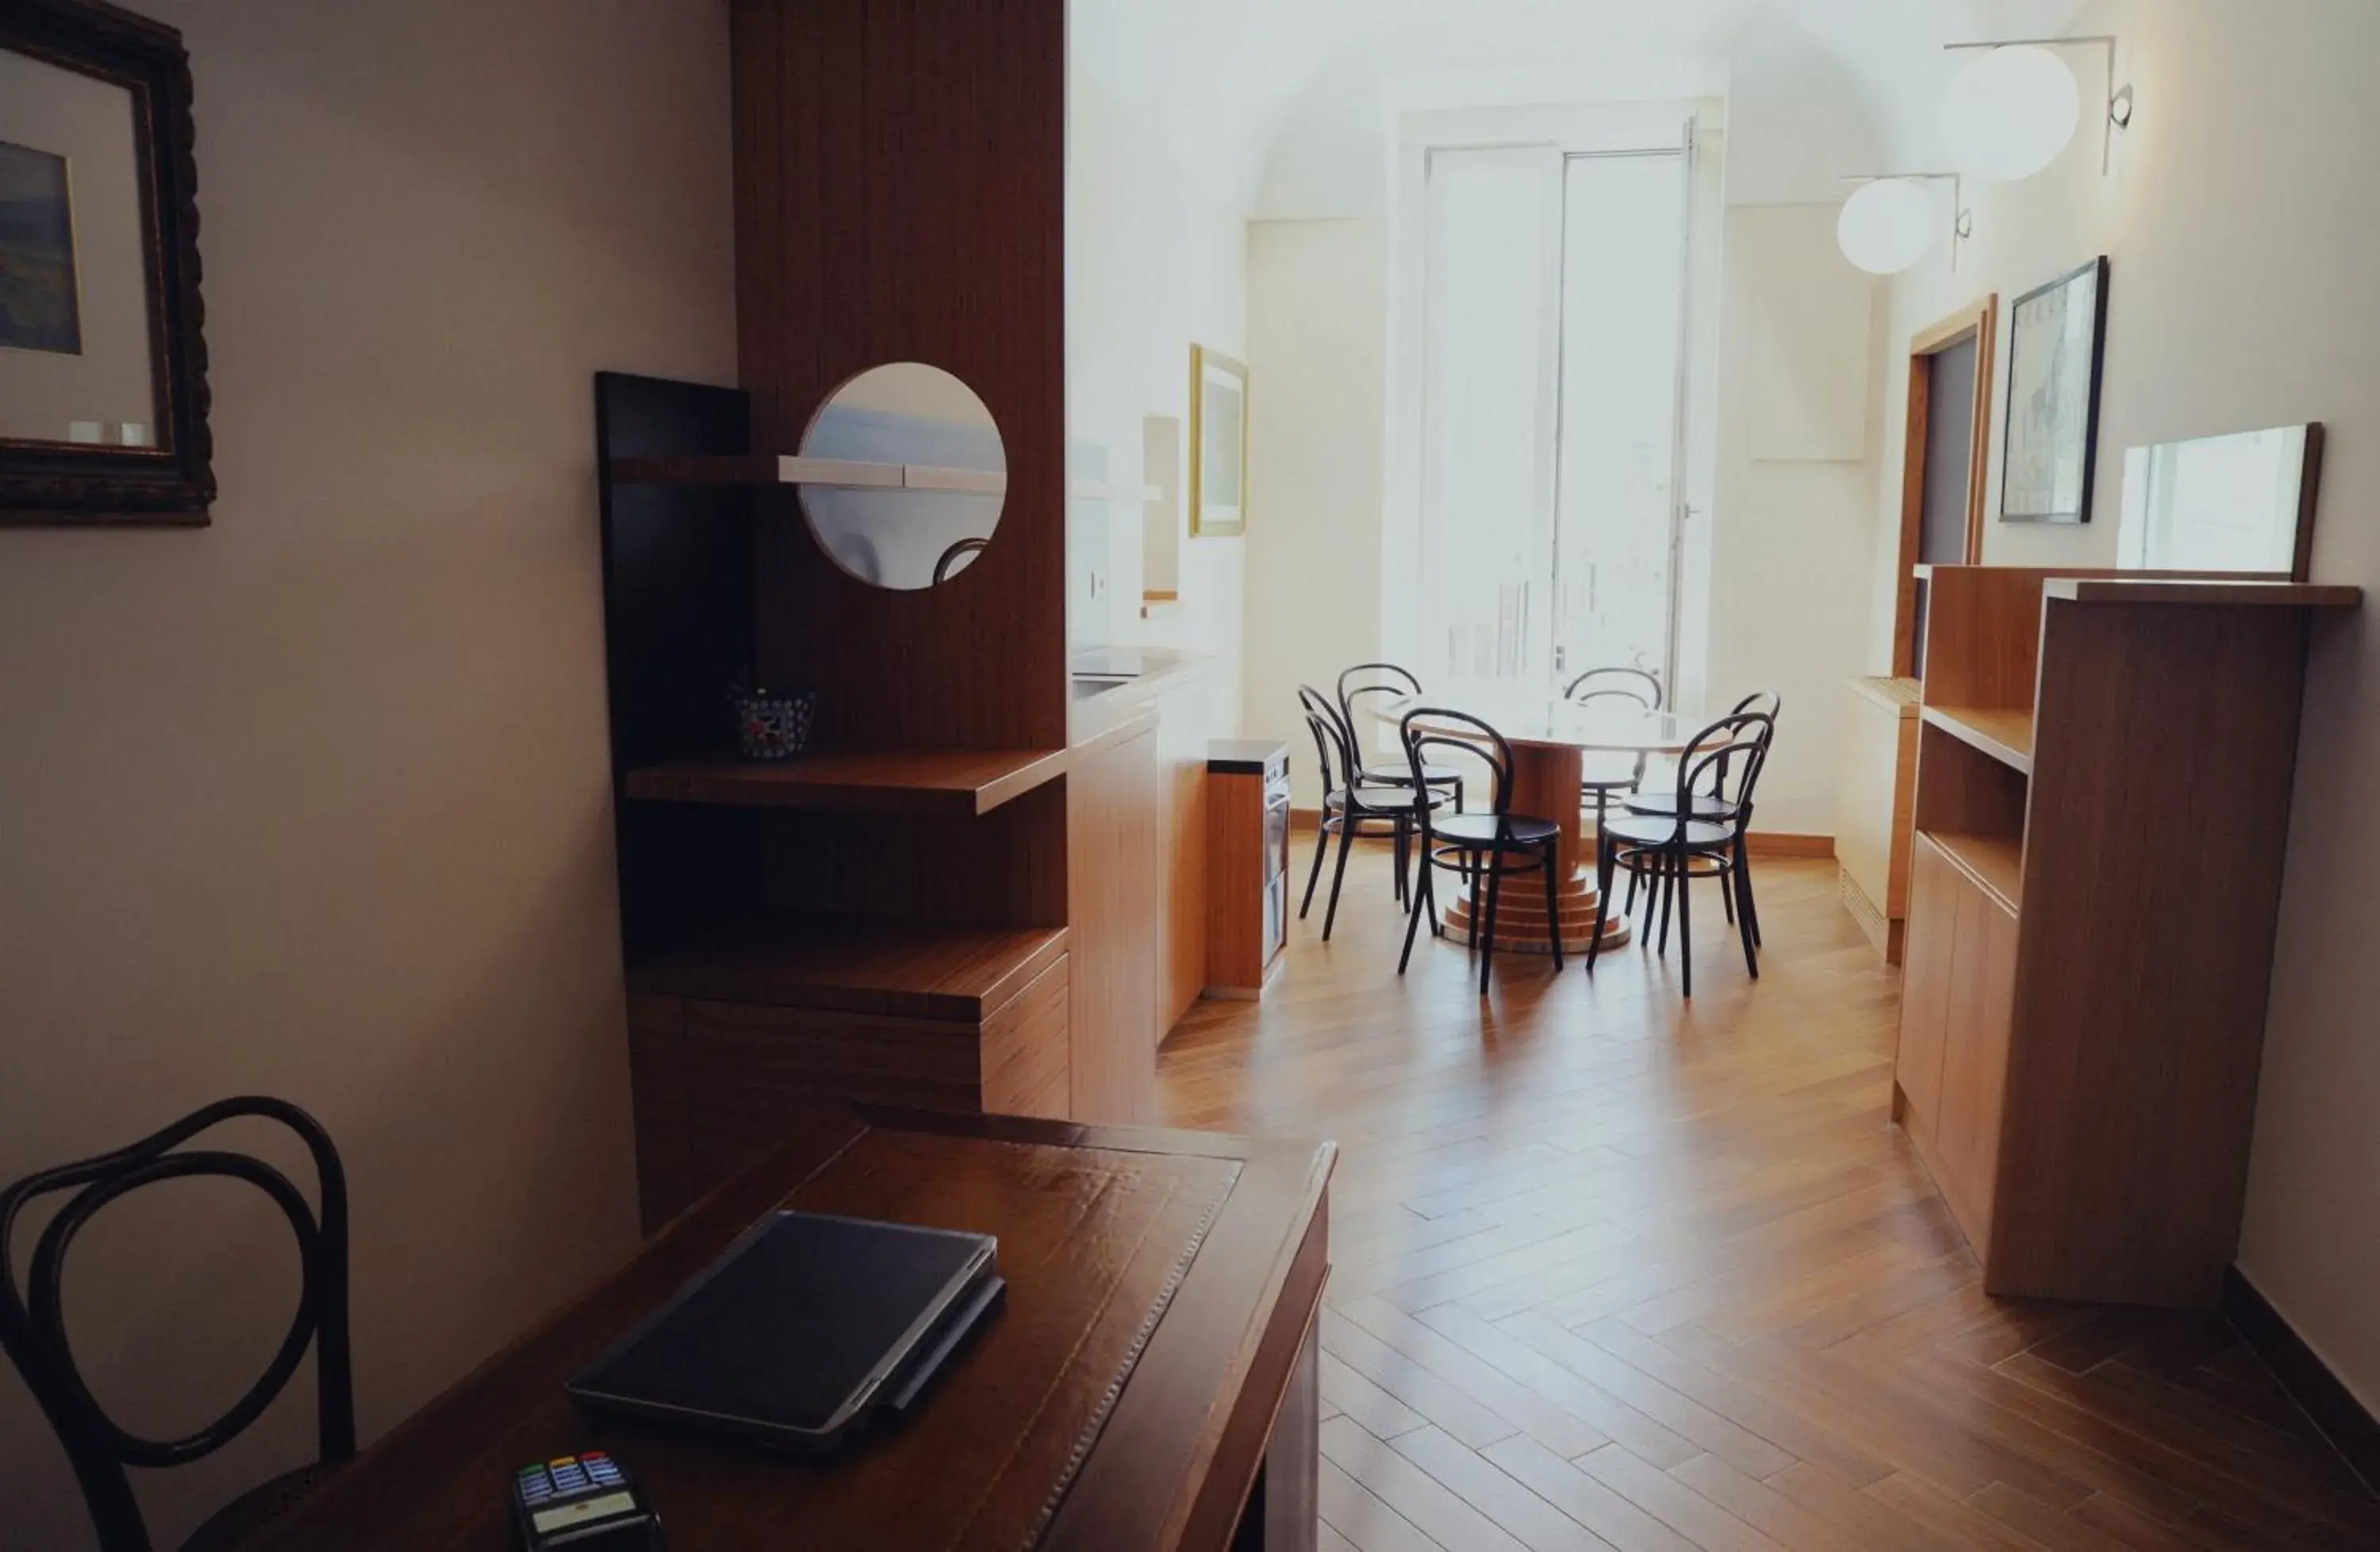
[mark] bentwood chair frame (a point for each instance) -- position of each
(1662, 802)
(1723, 762)
(1637, 686)
(1398, 683)
(1349, 805)
(34, 1326)
(1483, 848)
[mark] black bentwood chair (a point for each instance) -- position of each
(1722, 764)
(1348, 805)
(1390, 681)
(1630, 687)
(33, 1324)
(1660, 800)
(1481, 847)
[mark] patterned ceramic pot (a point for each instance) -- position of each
(774, 726)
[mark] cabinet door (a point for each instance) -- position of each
(1114, 900)
(1934, 888)
(1974, 1062)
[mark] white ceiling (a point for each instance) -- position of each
(1232, 85)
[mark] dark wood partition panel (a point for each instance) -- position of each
(900, 186)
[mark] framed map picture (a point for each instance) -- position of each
(2056, 339)
(1219, 444)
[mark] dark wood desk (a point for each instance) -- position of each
(1219, 1412)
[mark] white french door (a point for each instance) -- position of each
(1553, 392)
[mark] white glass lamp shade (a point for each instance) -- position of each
(1887, 226)
(2010, 113)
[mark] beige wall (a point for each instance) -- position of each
(1317, 340)
(2240, 226)
(1788, 536)
(314, 802)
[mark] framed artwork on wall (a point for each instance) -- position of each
(1219, 444)
(102, 362)
(2057, 337)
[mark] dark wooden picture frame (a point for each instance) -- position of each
(172, 483)
(2097, 272)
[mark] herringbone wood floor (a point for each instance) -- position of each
(1612, 1272)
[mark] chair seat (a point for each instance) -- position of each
(1381, 800)
(1402, 775)
(1479, 829)
(247, 1516)
(1651, 830)
(1664, 805)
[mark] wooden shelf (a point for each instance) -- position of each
(841, 473)
(1901, 696)
(1995, 862)
(948, 781)
(849, 964)
(2148, 589)
(2003, 733)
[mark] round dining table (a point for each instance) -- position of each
(1551, 739)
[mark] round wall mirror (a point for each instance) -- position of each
(905, 476)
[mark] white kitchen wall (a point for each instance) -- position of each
(2240, 223)
(1317, 301)
(1155, 262)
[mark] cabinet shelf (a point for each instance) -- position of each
(1996, 863)
(840, 473)
(853, 964)
(948, 781)
(2003, 733)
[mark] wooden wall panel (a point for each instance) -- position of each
(2165, 750)
(658, 1083)
(1007, 869)
(1114, 823)
(900, 184)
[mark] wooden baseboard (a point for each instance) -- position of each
(1764, 843)
(2343, 1419)
(1774, 843)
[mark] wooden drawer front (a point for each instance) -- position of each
(751, 1068)
(1936, 887)
(1024, 1045)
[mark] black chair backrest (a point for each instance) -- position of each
(1723, 763)
(1386, 679)
(1426, 728)
(1334, 743)
(1765, 703)
(1638, 684)
(949, 562)
(34, 1330)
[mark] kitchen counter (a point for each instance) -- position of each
(1128, 680)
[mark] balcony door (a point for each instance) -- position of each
(1553, 391)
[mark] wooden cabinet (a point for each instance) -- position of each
(1954, 1030)
(1247, 867)
(2103, 776)
(1116, 819)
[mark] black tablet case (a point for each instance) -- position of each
(779, 1338)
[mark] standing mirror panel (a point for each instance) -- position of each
(905, 476)
(2241, 503)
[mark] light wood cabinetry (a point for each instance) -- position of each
(1116, 818)
(2103, 776)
